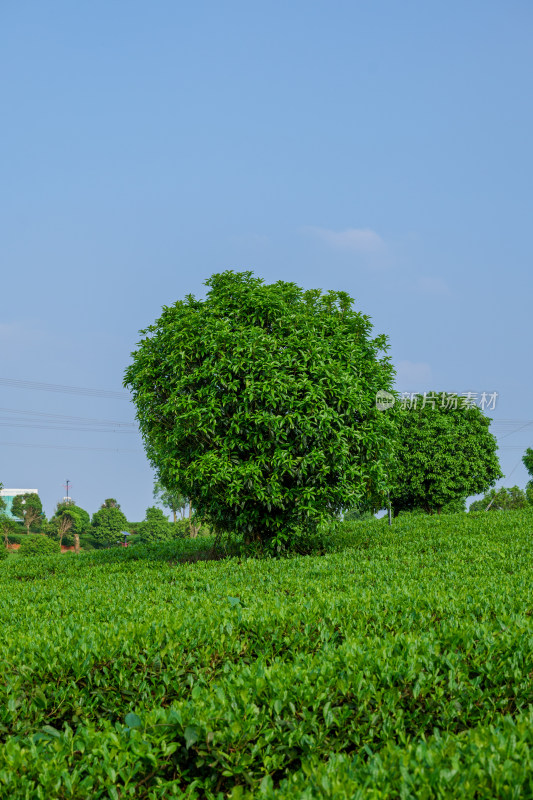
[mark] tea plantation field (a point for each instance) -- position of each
(398, 664)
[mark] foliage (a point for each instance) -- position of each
(156, 527)
(397, 665)
(186, 527)
(69, 520)
(2, 501)
(110, 503)
(7, 528)
(38, 545)
(28, 508)
(501, 500)
(108, 524)
(527, 459)
(81, 521)
(258, 403)
(171, 499)
(458, 504)
(443, 456)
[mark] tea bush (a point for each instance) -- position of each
(37, 544)
(396, 664)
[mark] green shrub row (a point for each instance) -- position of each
(397, 664)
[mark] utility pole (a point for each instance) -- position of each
(66, 486)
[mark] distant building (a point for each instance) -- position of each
(8, 495)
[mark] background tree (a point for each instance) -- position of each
(28, 508)
(58, 526)
(156, 527)
(2, 501)
(258, 404)
(172, 499)
(69, 518)
(443, 455)
(108, 525)
(501, 500)
(7, 527)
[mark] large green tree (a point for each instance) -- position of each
(443, 455)
(108, 525)
(259, 404)
(28, 508)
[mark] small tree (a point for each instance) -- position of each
(259, 405)
(108, 525)
(171, 499)
(443, 455)
(28, 508)
(501, 500)
(62, 524)
(7, 527)
(69, 518)
(156, 527)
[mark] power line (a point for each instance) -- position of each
(67, 418)
(56, 387)
(52, 427)
(68, 447)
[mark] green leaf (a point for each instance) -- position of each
(191, 734)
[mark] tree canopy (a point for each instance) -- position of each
(108, 524)
(68, 519)
(110, 503)
(444, 454)
(258, 404)
(501, 500)
(81, 521)
(156, 527)
(28, 508)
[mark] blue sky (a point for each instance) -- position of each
(380, 148)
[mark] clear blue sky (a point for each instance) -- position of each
(381, 148)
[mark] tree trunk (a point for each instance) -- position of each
(174, 512)
(76, 543)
